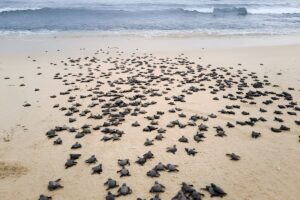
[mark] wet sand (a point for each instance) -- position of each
(269, 165)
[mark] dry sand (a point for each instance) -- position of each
(269, 168)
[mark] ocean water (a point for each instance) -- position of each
(162, 16)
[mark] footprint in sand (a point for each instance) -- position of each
(11, 169)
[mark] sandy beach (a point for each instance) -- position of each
(43, 74)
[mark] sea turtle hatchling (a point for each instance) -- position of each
(54, 185)
(172, 149)
(124, 190)
(123, 162)
(157, 188)
(70, 163)
(191, 151)
(43, 197)
(97, 169)
(111, 184)
(233, 156)
(91, 160)
(110, 196)
(215, 191)
(124, 172)
(153, 173)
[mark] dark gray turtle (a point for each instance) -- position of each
(43, 197)
(198, 138)
(202, 127)
(70, 163)
(157, 187)
(135, 124)
(75, 156)
(27, 105)
(284, 128)
(215, 191)
(148, 155)
(172, 168)
(110, 196)
(148, 142)
(159, 137)
(233, 156)
(124, 172)
(76, 146)
(183, 139)
(149, 128)
(156, 197)
(72, 130)
(141, 161)
(172, 149)
(58, 141)
(111, 184)
(153, 173)
(255, 134)
(54, 185)
(91, 160)
(160, 167)
(186, 188)
(79, 135)
(123, 162)
(161, 130)
(191, 151)
(275, 130)
(230, 125)
(106, 138)
(97, 170)
(196, 195)
(124, 190)
(180, 196)
(51, 133)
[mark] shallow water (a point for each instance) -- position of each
(200, 16)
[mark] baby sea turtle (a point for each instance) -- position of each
(124, 172)
(160, 167)
(196, 195)
(54, 185)
(111, 184)
(156, 197)
(157, 187)
(161, 130)
(148, 142)
(91, 160)
(135, 124)
(123, 162)
(183, 139)
(76, 146)
(148, 155)
(51, 133)
(180, 196)
(215, 191)
(172, 149)
(186, 188)
(43, 197)
(106, 138)
(58, 141)
(70, 163)
(255, 134)
(75, 156)
(124, 190)
(172, 168)
(159, 137)
(110, 196)
(153, 173)
(97, 169)
(141, 161)
(233, 156)
(191, 151)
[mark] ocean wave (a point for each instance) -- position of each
(181, 8)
